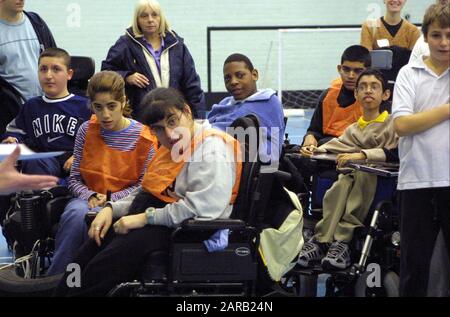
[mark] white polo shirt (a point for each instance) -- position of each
(424, 157)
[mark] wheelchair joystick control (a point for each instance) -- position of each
(28, 204)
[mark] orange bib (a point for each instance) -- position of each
(103, 168)
(162, 170)
(336, 119)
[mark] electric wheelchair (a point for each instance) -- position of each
(188, 269)
(376, 246)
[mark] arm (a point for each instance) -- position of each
(191, 86)
(366, 36)
(422, 121)
(406, 120)
(208, 189)
(315, 129)
(17, 127)
(76, 184)
(115, 60)
(13, 181)
(120, 207)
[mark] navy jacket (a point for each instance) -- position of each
(126, 58)
(11, 99)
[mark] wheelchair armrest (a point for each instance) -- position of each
(54, 209)
(232, 224)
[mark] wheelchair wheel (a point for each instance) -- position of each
(389, 286)
(13, 285)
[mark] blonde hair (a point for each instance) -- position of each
(140, 7)
(109, 82)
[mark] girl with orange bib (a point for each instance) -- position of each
(111, 153)
(194, 174)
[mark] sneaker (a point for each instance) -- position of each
(310, 253)
(338, 256)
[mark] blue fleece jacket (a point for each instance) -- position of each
(264, 104)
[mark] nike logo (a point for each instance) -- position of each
(50, 140)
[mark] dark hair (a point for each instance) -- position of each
(159, 103)
(112, 83)
(357, 53)
(56, 52)
(436, 13)
(236, 57)
(373, 72)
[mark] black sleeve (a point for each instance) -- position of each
(391, 155)
(316, 125)
(191, 86)
(116, 59)
(43, 32)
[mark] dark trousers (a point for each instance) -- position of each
(119, 258)
(423, 213)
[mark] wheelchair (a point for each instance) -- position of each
(30, 227)
(377, 243)
(188, 269)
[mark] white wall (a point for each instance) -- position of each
(90, 27)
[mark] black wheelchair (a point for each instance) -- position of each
(30, 227)
(188, 269)
(377, 243)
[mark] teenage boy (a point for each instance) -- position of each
(422, 112)
(240, 79)
(337, 107)
(347, 202)
(50, 122)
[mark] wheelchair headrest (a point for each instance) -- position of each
(83, 68)
(250, 166)
(248, 136)
(382, 59)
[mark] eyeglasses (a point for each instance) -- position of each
(364, 87)
(172, 122)
(348, 70)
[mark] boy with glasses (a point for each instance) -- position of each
(337, 107)
(347, 202)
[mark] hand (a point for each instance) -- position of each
(10, 140)
(96, 200)
(137, 79)
(68, 164)
(100, 225)
(308, 150)
(126, 223)
(343, 158)
(12, 181)
(309, 145)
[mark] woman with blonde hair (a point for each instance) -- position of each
(111, 154)
(151, 55)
